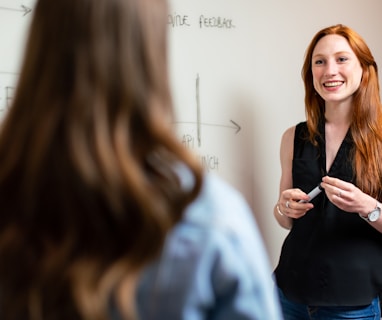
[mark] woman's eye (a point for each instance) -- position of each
(318, 62)
(342, 59)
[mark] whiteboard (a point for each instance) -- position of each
(235, 73)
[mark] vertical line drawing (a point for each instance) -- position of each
(198, 117)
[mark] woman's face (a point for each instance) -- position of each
(337, 72)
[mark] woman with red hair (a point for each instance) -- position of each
(331, 260)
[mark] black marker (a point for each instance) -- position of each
(312, 194)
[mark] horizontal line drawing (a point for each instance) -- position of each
(22, 8)
(234, 125)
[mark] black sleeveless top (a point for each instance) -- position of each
(330, 257)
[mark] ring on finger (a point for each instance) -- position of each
(339, 194)
(287, 204)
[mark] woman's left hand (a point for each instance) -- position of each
(347, 196)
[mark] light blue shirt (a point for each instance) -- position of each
(214, 264)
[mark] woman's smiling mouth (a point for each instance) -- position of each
(332, 84)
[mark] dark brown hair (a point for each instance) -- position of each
(88, 181)
(366, 127)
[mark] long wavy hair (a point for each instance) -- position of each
(366, 125)
(89, 187)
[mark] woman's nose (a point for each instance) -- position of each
(331, 69)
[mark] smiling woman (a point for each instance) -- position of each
(331, 257)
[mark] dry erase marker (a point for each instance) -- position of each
(312, 194)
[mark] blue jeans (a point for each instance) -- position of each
(296, 311)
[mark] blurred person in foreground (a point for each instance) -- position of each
(104, 214)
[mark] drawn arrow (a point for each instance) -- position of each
(233, 126)
(238, 128)
(23, 8)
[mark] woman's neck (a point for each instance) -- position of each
(338, 113)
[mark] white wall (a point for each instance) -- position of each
(246, 73)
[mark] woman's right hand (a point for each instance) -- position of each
(293, 203)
